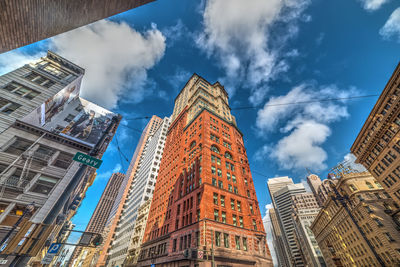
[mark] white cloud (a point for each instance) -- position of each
(391, 29)
(349, 160)
(302, 147)
(372, 5)
(268, 230)
(12, 60)
(107, 174)
(305, 126)
(115, 56)
(179, 78)
(239, 33)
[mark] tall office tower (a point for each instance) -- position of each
(305, 209)
(274, 184)
(116, 210)
(204, 198)
(314, 182)
(355, 227)
(277, 236)
(102, 212)
(377, 146)
(284, 209)
(140, 191)
(27, 22)
(42, 121)
(283, 254)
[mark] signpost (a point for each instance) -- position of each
(53, 250)
(87, 160)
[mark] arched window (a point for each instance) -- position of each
(370, 186)
(192, 144)
(214, 149)
(228, 155)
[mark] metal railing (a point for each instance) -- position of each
(14, 182)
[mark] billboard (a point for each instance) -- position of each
(72, 116)
(55, 104)
(89, 124)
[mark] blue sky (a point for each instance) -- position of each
(264, 52)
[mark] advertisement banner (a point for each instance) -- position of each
(88, 126)
(55, 104)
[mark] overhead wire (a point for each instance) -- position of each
(305, 102)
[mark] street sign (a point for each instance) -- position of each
(54, 248)
(87, 160)
(3, 261)
(200, 254)
(51, 252)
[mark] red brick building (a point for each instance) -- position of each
(204, 199)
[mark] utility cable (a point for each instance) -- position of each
(305, 102)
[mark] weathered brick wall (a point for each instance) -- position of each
(23, 22)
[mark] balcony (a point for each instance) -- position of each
(14, 182)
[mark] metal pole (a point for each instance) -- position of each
(342, 201)
(212, 249)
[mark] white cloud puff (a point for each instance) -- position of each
(372, 5)
(238, 33)
(391, 29)
(304, 126)
(115, 56)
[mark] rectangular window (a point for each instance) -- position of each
(237, 242)
(230, 187)
(254, 225)
(235, 190)
(232, 204)
(251, 209)
(39, 79)
(222, 198)
(174, 245)
(21, 90)
(18, 147)
(234, 178)
(219, 173)
(228, 176)
(227, 165)
(234, 220)
(241, 221)
(223, 216)
(218, 239)
(218, 161)
(216, 215)
(7, 106)
(239, 206)
(198, 238)
(220, 184)
(213, 170)
(244, 239)
(198, 215)
(226, 240)
(214, 182)
(44, 185)
(215, 198)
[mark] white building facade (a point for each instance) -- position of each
(141, 190)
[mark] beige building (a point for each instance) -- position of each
(305, 209)
(377, 146)
(137, 236)
(356, 228)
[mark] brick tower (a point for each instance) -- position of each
(204, 202)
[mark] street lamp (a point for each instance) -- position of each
(28, 210)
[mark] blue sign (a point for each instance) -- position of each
(153, 265)
(54, 248)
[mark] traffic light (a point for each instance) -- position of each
(97, 240)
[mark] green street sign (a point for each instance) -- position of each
(87, 160)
